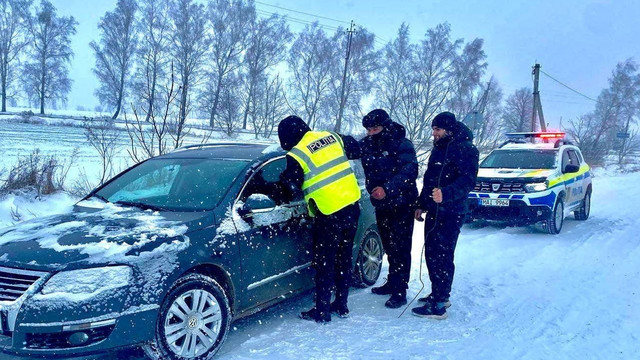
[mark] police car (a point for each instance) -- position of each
(526, 183)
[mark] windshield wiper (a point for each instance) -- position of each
(100, 197)
(141, 205)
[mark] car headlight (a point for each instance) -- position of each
(533, 187)
(87, 282)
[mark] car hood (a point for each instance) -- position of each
(95, 234)
(514, 173)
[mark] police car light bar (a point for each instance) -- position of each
(541, 135)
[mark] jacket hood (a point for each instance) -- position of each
(389, 138)
(290, 131)
(396, 131)
(111, 235)
(462, 133)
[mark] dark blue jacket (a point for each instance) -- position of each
(452, 167)
(389, 160)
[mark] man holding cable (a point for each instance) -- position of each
(450, 176)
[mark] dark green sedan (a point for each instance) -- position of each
(165, 255)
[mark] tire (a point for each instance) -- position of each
(555, 221)
(585, 209)
(204, 328)
(369, 262)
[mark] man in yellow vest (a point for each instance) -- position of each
(318, 165)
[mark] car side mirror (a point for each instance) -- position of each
(256, 203)
(571, 168)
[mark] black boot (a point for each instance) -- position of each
(431, 300)
(382, 290)
(396, 300)
(314, 315)
(340, 309)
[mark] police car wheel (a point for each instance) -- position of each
(585, 209)
(369, 262)
(554, 223)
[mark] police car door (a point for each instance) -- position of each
(577, 186)
(275, 244)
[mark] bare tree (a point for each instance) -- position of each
(153, 29)
(518, 109)
(46, 76)
(265, 49)
(311, 60)
(363, 62)
(486, 120)
(396, 71)
(189, 45)
(272, 106)
(229, 21)
(617, 108)
(12, 41)
(230, 104)
(431, 84)
(103, 137)
(149, 137)
(115, 52)
(583, 130)
(468, 69)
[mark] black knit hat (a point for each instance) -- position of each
(290, 131)
(377, 117)
(444, 120)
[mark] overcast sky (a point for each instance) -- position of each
(578, 42)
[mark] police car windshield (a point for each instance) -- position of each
(521, 159)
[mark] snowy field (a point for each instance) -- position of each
(518, 294)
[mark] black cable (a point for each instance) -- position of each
(567, 86)
(301, 12)
(435, 221)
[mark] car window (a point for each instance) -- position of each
(175, 184)
(520, 159)
(265, 181)
(358, 170)
(573, 158)
(565, 159)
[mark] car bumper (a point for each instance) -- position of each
(518, 212)
(51, 340)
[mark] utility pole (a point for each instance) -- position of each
(344, 78)
(537, 105)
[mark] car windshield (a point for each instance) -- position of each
(174, 184)
(521, 159)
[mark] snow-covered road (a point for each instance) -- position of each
(518, 294)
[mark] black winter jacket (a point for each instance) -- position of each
(389, 160)
(452, 167)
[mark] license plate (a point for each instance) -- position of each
(494, 202)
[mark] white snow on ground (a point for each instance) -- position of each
(518, 294)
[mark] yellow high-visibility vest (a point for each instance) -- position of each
(328, 178)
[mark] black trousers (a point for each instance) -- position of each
(440, 245)
(332, 252)
(396, 232)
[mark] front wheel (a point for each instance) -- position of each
(585, 208)
(554, 223)
(369, 262)
(193, 320)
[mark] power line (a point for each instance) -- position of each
(567, 86)
(301, 12)
(296, 20)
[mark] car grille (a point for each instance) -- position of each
(499, 187)
(15, 282)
